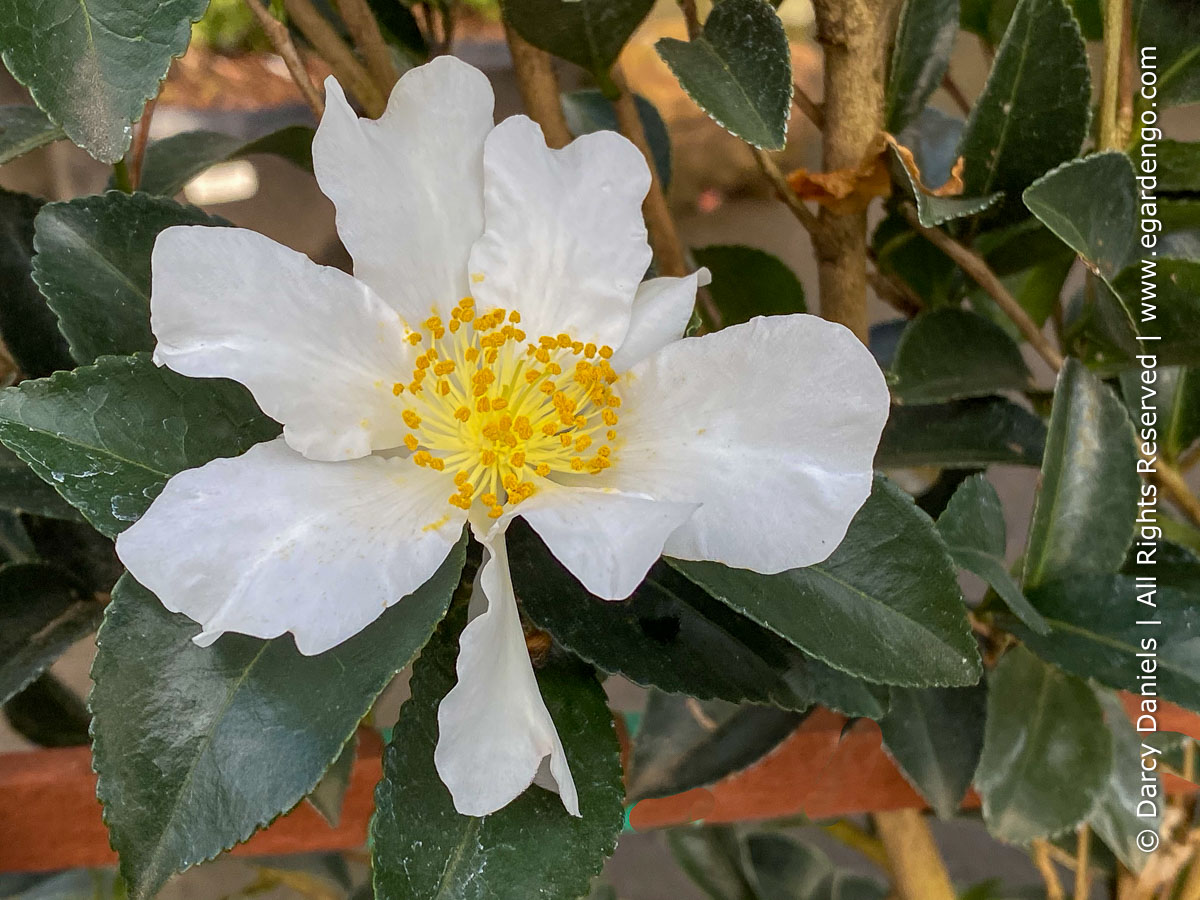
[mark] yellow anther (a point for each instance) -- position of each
(482, 405)
(611, 434)
(514, 317)
(606, 352)
(510, 482)
(582, 443)
(577, 463)
(414, 338)
(488, 457)
(547, 387)
(554, 369)
(532, 375)
(565, 439)
(488, 499)
(610, 417)
(437, 463)
(589, 350)
(614, 401)
(411, 442)
(542, 469)
(397, 389)
(422, 457)
(445, 367)
(517, 460)
(460, 477)
(443, 387)
(454, 325)
(422, 361)
(495, 512)
(604, 451)
(462, 414)
(411, 419)
(563, 341)
(576, 347)
(542, 355)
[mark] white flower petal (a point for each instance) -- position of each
(408, 186)
(565, 242)
(270, 542)
(608, 539)
(772, 426)
(661, 311)
(493, 727)
(319, 351)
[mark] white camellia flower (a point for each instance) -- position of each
(493, 355)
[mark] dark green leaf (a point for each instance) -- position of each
(1089, 204)
(49, 713)
(1170, 27)
(948, 354)
(15, 545)
(1163, 297)
(531, 848)
(77, 548)
(716, 859)
(973, 528)
(24, 128)
(1033, 112)
(27, 324)
(43, 611)
(668, 632)
(683, 743)
(920, 56)
(180, 729)
(330, 791)
(935, 735)
(1116, 818)
(962, 434)
(1178, 166)
(1094, 631)
(1167, 397)
(109, 436)
(1047, 755)
(904, 254)
(784, 868)
(747, 282)
(885, 606)
(589, 110)
(1087, 495)
(589, 33)
(92, 264)
(400, 29)
(739, 71)
(172, 162)
(21, 491)
(93, 64)
(933, 210)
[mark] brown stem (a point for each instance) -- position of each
(808, 106)
(361, 24)
(1083, 875)
(950, 86)
(1041, 858)
(664, 237)
(918, 872)
(1114, 26)
(1168, 480)
(352, 75)
(277, 34)
(692, 17)
(1125, 78)
(975, 266)
(539, 88)
(855, 35)
(858, 838)
(141, 138)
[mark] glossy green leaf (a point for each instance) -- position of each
(786, 869)
(666, 634)
(330, 791)
(1178, 166)
(1089, 204)
(1047, 754)
(531, 848)
(920, 56)
(108, 436)
(973, 528)
(935, 736)
(739, 71)
(885, 606)
(1087, 494)
(589, 110)
(1170, 28)
(189, 741)
(43, 611)
(24, 128)
(21, 491)
(1115, 818)
(933, 210)
(948, 354)
(1094, 631)
(27, 324)
(747, 282)
(399, 26)
(171, 163)
(93, 64)
(92, 264)
(683, 743)
(716, 859)
(49, 714)
(902, 253)
(589, 33)
(963, 434)
(1034, 110)
(1162, 296)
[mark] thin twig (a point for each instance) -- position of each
(141, 138)
(277, 34)
(1188, 458)
(1114, 27)
(976, 267)
(915, 865)
(539, 88)
(692, 17)
(1083, 875)
(950, 86)
(808, 106)
(352, 75)
(361, 24)
(1125, 80)
(784, 191)
(1168, 480)
(1041, 859)
(664, 237)
(858, 838)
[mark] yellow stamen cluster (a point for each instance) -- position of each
(502, 412)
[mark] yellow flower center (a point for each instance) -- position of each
(501, 412)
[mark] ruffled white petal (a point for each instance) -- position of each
(319, 351)
(408, 186)
(493, 727)
(607, 539)
(771, 426)
(270, 542)
(565, 243)
(661, 311)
